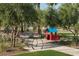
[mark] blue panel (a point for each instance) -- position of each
(52, 29)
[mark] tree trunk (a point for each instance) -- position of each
(39, 30)
(22, 29)
(14, 34)
(74, 38)
(12, 39)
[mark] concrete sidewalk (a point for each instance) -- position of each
(50, 46)
(68, 50)
(64, 49)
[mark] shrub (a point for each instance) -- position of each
(62, 42)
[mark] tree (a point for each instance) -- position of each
(15, 14)
(69, 17)
(52, 16)
(27, 15)
(37, 7)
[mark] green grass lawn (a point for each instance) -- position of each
(44, 53)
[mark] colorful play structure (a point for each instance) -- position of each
(51, 34)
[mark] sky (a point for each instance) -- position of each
(44, 6)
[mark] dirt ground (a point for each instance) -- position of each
(12, 53)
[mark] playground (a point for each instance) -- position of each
(28, 30)
(49, 41)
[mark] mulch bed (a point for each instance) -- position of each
(12, 53)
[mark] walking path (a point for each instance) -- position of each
(68, 50)
(64, 49)
(49, 46)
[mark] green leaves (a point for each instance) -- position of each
(69, 14)
(14, 14)
(52, 16)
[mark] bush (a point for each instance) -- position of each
(62, 42)
(42, 35)
(3, 47)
